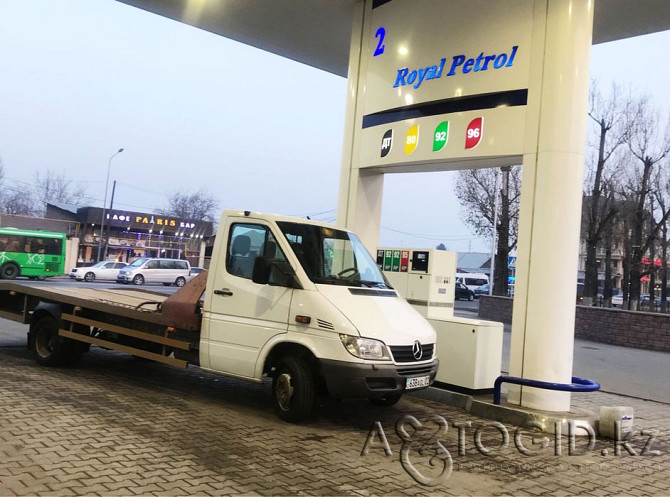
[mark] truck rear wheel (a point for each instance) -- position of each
(9, 271)
(293, 389)
(50, 349)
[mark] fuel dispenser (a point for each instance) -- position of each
(470, 350)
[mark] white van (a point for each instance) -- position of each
(472, 280)
(145, 270)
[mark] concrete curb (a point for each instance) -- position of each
(511, 414)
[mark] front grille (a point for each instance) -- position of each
(416, 370)
(403, 353)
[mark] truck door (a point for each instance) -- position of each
(244, 315)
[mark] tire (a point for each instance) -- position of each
(389, 400)
(293, 389)
(138, 280)
(50, 349)
(471, 297)
(89, 277)
(9, 271)
(181, 281)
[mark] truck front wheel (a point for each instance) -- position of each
(293, 389)
(48, 348)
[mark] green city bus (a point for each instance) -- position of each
(31, 253)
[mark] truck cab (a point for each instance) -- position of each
(306, 304)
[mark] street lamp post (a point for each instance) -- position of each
(104, 204)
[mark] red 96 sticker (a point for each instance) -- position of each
(473, 134)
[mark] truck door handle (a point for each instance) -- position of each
(224, 292)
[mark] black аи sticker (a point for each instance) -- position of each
(387, 142)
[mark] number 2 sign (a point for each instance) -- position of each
(473, 135)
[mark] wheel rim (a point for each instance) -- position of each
(89, 277)
(45, 342)
(284, 391)
(180, 282)
(138, 280)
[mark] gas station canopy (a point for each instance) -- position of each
(318, 32)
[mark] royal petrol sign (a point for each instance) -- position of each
(434, 89)
(459, 64)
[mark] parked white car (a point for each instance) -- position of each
(165, 271)
(103, 270)
(617, 300)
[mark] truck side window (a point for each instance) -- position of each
(245, 243)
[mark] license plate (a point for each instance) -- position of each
(417, 382)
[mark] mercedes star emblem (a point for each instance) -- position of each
(417, 352)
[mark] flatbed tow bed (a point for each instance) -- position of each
(143, 323)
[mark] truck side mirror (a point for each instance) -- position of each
(261, 270)
(281, 273)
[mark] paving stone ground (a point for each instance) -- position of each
(114, 425)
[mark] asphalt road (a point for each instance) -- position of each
(622, 370)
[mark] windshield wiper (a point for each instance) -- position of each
(373, 284)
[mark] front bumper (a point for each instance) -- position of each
(346, 380)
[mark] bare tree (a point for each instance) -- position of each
(12, 200)
(649, 145)
(199, 205)
(18, 203)
(476, 190)
(53, 187)
(610, 116)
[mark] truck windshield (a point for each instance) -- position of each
(333, 257)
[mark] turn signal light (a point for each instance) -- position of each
(303, 319)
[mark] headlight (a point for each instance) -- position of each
(365, 348)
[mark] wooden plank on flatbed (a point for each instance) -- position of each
(171, 342)
(124, 348)
(13, 316)
(126, 302)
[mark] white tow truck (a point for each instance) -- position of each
(299, 301)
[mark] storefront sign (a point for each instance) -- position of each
(150, 220)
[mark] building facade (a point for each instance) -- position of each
(128, 235)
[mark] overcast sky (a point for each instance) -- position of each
(80, 79)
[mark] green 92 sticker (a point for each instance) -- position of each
(440, 136)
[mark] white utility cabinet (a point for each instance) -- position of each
(470, 352)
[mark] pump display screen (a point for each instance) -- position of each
(420, 261)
